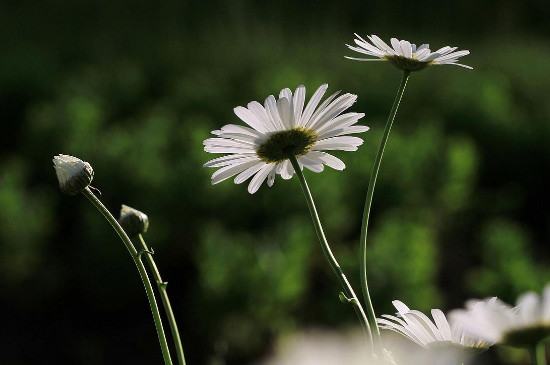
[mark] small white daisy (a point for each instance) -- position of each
(405, 55)
(73, 174)
(280, 129)
(420, 329)
(497, 322)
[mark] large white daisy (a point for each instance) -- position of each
(420, 329)
(405, 55)
(282, 128)
(497, 322)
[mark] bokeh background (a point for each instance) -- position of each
(461, 208)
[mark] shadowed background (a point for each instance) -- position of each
(461, 208)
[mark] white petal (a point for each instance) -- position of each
(229, 150)
(250, 118)
(341, 121)
(214, 161)
(333, 110)
(239, 129)
(271, 178)
(344, 143)
(331, 161)
(312, 104)
(259, 178)
(286, 170)
(298, 101)
(235, 160)
(321, 108)
(396, 46)
(406, 48)
(452, 55)
(273, 113)
(381, 44)
(311, 164)
(231, 170)
(442, 324)
(529, 308)
(261, 114)
(285, 112)
(246, 174)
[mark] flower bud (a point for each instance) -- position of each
(133, 221)
(73, 174)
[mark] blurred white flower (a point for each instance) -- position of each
(405, 55)
(329, 348)
(497, 322)
(281, 128)
(73, 174)
(324, 348)
(420, 329)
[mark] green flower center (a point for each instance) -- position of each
(407, 64)
(527, 337)
(282, 145)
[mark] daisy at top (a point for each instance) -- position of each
(280, 129)
(405, 55)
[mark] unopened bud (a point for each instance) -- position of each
(133, 221)
(73, 174)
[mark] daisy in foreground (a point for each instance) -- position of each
(405, 55)
(496, 322)
(280, 130)
(420, 329)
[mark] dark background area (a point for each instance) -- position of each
(461, 208)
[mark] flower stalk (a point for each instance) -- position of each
(161, 285)
(136, 256)
(368, 204)
(335, 266)
(538, 354)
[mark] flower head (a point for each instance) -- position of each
(133, 221)
(420, 329)
(405, 55)
(73, 174)
(497, 322)
(280, 129)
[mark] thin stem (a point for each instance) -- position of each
(350, 293)
(161, 285)
(538, 354)
(136, 256)
(368, 203)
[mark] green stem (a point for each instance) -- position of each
(368, 203)
(136, 256)
(328, 252)
(165, 300)
(538, 354)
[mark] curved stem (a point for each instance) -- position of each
(368, 203)
(328, 252)
(161, 285)
(136, 256)
(538, 354)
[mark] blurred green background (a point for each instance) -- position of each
(461, 208)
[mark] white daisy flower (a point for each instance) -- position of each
(420, 329)
(73, 174)
(497, 322)
(405, 55)
(280, 129)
